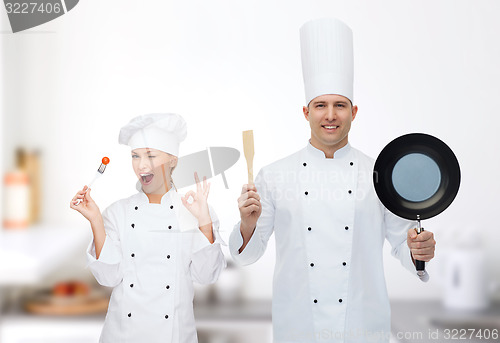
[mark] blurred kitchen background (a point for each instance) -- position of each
(227, 66)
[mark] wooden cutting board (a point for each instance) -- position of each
(67, 306)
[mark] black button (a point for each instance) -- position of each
(133, 255)
(168, 256)
(166, 316)
(347, 227)
(130, 315)
(306, 193)
(133, 225)
(171, 207)
(344, 264)
(312, 264)
(170, 227)
(131, 285)
(136, 208)
(315, 301)
(168, 287)
(304, 164)
(309, 228)
(340, 300)
(349, 191)
(351, 164)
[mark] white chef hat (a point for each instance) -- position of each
(327, 58)
(160, 131)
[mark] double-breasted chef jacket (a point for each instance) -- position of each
(151, 256)
(329, 230)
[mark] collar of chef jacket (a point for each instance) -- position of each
(187, 222)
(341, 153)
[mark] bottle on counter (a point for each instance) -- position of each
(22, 191)
(29, 162)
(16, 210)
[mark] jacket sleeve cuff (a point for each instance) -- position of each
(204, 242)
(252, 251)
(406, 259)
(207, 264)
(106, 269)
(217, 237)
(108, 255)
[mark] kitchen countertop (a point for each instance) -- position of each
(28, 255)
(226, 321)
(429, 321)
(213, 311)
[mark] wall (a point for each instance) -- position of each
(426, 66)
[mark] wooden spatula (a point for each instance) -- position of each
(248, 150)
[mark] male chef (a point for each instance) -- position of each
(329, 224)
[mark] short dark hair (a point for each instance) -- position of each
(346, 98)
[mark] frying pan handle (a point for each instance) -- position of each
(420, 265)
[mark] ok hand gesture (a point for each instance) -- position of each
(199, 206)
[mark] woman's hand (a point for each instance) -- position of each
(199, 206)
(87, 207)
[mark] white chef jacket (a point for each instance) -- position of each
(330, 228)
(151, 256)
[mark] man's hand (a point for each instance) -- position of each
(421, 245)
(249, 206)
(250, 210)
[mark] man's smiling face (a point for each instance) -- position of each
(330, 118)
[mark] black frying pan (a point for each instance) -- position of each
(416, 176)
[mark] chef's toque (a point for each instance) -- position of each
(327, 58)
(160, 131)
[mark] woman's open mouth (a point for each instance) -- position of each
(146, 179)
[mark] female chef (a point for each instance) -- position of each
(151, 246)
